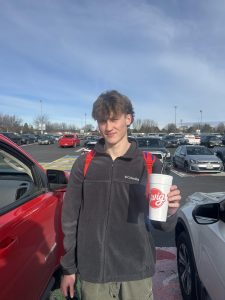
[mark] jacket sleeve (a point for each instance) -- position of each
(70, 215)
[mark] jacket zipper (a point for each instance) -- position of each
(107, 221)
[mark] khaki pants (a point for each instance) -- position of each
(129, 290)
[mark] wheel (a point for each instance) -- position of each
(174, 163)
(187, 272)
(186, 167)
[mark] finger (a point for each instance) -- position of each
(174, 204)
(174, 193)
(63, 289)
(71, 291)
(173, 187)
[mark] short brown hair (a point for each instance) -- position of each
(111, 102)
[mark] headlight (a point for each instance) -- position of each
(168, 154)
(193, 161)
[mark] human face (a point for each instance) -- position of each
(114, 129)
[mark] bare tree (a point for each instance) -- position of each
(137, 124)
(145, 126)
(220, 128)
(40, 121)
(10, 123)
(170, 128)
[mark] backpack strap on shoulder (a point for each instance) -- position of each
(89, 156)
(149, 159)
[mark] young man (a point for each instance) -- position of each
(107, 239)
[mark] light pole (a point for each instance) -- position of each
(175, 110)
(41, 118)
(200, 119)
(85, 122)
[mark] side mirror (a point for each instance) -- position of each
(57, 179)
(206, 213)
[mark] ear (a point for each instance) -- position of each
(128, 119)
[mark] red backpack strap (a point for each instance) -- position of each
(149, 161)
(90, 155)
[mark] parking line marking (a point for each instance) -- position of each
(181, 174)
(64, 163)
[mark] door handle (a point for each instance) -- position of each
(7, 245)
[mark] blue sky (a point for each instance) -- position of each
(160, 53)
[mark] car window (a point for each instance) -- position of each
(150, 143)
(183, 151)
(90, 146)
(69, 136)
(16, 179)
(198, 151)
(178, 150)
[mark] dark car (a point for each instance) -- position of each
(171, 141)
(90, 138)
(196, 158)
(210, 141)
(28, 138)
(89, 146)
(46, 140)
(16, 138)
(31, 235)
(223, 139)
(157, 147)
(220, 152)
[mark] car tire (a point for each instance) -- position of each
(187, 273)
(186, 167)
(174, 164)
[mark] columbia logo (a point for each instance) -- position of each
(132, 178)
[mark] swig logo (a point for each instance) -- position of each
(157, 198)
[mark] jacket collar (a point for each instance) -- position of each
(131, 152)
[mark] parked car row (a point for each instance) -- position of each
(13, 137)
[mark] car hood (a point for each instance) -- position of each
(153, 149)
(204, 157)
(200, 198)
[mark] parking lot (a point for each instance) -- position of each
(166, 284)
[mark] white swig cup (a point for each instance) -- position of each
(158, 204)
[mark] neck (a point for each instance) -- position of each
(118, 149)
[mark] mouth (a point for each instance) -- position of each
(110, 134)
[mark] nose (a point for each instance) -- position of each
(108, 126)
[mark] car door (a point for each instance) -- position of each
(179, 156)
(211, 263)
(29, 226)
(182, 156)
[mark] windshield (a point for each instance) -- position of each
(69, 136)
(150, 143)
(198, 151)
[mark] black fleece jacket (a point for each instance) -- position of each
(106, 236)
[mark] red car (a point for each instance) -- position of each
(30, 227)
(69, 140)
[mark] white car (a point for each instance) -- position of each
(192, 139)
(200, 240)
